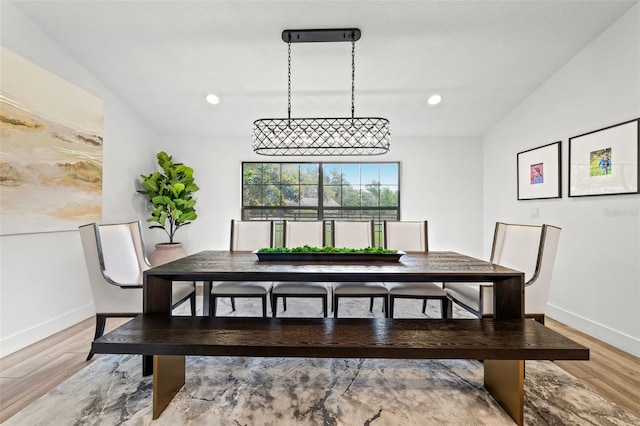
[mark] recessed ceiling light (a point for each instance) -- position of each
(434, 99)
(213, 99)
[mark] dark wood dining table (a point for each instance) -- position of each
(435, 266)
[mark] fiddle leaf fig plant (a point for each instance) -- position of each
(170, 193)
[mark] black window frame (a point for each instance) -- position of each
(299, 212)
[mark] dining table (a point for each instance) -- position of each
(435, 266)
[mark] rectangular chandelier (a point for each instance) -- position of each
(321, 136)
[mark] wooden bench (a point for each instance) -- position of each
(503, 345)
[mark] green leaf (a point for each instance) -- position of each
(159, 200)
(163, 218)
(188, 216)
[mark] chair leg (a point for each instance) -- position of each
(274, 305)
(101, 321)
(192, 301)
(233, 304)
(424, 306)
(264, 306)
(444, 308)
(335, 306)
(449, 308)
(214, 306)
(371, 304)
(284, 303)
(537, 317)
(391, 305)
(385, 303)
(325, 304)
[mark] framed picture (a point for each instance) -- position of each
(539, 173)
(605, 161)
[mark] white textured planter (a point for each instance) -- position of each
(166, 252)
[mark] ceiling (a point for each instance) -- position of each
(163, 57)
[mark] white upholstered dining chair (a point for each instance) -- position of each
(527, 248)
(298, 234)
(246, 235)
(412, 236)
(354, 234)
(115, 259)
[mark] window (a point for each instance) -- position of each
(321, 191)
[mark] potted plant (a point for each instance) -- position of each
(172, 204)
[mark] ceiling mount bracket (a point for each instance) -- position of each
(321, 35)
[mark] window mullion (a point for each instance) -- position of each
(320, 191)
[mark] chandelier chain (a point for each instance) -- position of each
(289, 80)
(353, 76)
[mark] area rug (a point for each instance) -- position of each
(305, 391)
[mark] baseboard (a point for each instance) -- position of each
(31, 335)
(608, 335)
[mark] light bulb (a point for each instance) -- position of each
(434, 99)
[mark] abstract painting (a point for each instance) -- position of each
(51, 150)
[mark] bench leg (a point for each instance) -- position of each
(168, 379)
(504, 379)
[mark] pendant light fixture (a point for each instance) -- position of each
(321, 136)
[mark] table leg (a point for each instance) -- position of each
(168, 379)
(508, 298)
(156, 300)
(157, 295)
(504, 380)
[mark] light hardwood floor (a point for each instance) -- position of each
(31, 372)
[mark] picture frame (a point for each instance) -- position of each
(539, 172)
(605, 161)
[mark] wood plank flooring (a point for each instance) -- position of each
(33, 371)
(612, 373)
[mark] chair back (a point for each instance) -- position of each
(300, 233)
(531, 249)
(516, 246)
(114, 255)
(351, 234)
(250, 235)
(408, 236)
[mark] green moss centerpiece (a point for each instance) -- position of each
(327, 254)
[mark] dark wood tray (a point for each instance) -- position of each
(329, 257)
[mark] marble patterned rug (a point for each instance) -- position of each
(302, 391)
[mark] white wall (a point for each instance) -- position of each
(440, 182)
(43, 280)
(596, 283)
